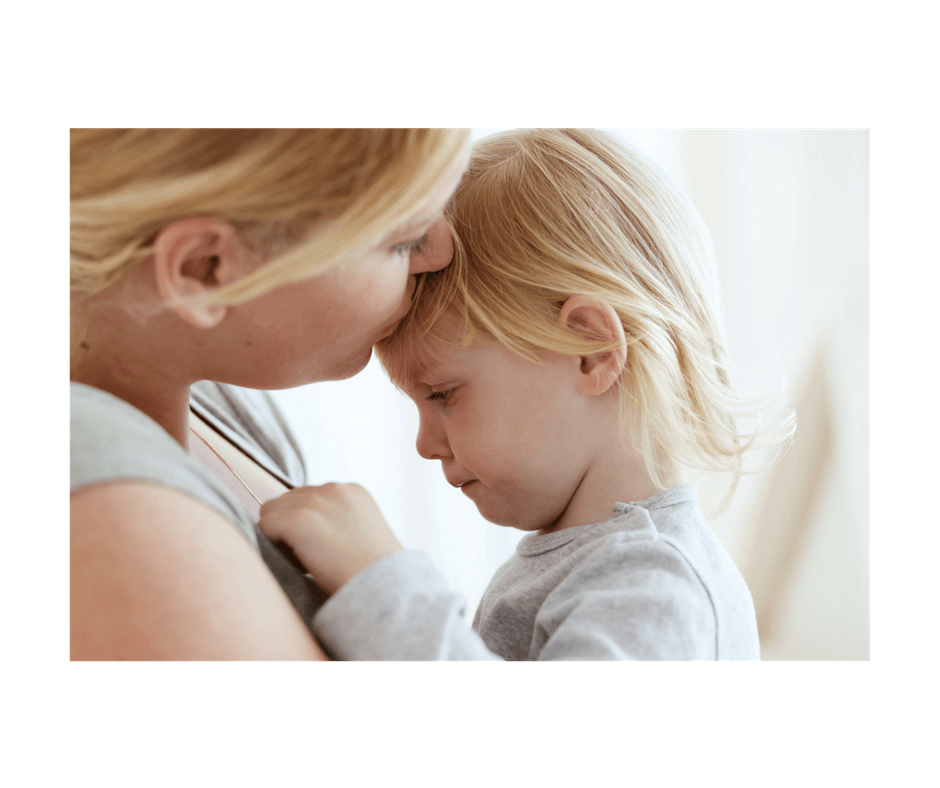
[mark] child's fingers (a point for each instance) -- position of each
(298, 497)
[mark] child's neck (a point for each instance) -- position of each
(615, 475)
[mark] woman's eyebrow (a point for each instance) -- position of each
(412, 227)
(430, 217)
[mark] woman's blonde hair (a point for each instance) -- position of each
(303, 197)
(546, 214)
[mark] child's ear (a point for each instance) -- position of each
(597, 321)
(194, 257)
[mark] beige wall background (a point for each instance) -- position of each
(788, 211)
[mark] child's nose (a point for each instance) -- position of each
(432, 442)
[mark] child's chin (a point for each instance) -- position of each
(502, 516)
(506, 520)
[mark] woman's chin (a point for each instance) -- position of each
(388, 332)
(353, 366)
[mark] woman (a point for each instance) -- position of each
(262, 259)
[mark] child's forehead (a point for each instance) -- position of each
(440, 352)
(432, 356)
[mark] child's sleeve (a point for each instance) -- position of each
(400, 608)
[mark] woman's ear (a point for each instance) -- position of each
(596, 321)
(194, 257)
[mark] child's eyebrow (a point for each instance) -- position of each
(419, 377)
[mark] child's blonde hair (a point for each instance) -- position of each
(303, 197)
(543, 215)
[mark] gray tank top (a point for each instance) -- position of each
(112, 440)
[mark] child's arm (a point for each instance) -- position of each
(399, 609)
(336, 530)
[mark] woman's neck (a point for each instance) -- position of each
(113, 354)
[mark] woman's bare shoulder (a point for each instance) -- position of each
(157, 574)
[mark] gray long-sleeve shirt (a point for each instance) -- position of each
(651, 582)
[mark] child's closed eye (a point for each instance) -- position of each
(441, 397)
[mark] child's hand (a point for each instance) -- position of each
(336, 530)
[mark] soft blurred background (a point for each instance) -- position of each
(788, 211)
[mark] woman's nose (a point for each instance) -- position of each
(436, 252)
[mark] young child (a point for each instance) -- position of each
(569, 369)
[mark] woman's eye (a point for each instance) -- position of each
(407, 247)
(441, 397)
